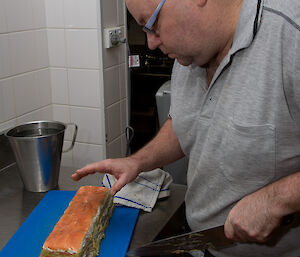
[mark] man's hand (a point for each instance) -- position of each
(124, 170)
(161, 150)
(256, 216)
(253, 218)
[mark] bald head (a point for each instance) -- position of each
(141, 9)
(189, 28)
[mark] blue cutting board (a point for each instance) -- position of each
(30, 237)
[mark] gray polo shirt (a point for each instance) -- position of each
(242, 132)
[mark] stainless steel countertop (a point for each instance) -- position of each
(16, 204)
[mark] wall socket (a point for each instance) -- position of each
(113, 37)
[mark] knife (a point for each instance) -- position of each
(193, 241)
(197, 240)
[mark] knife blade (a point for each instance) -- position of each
(197, 240)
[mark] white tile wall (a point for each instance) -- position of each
(3, 26)
(51, 67)
(43, 82)
(123, 80)
(82, 48)
(84, 87)
(44, 113)
(31, 91)
(26, 93)
(123, 114)
(111, 57)
(113, 122)
(23, 51)
(76, 76)
(111, 86)
(87, 153)
(19, 15)
(5, 66)
(109, 11)
(32, 116)
(54, 13)
(80, 13)
(121, 12)
(122, 49)
(7, 125)
(25, 88)
(7, 107)
(67, 157)
(115, 81)
(59, 85)
(41, 49)
(57, 48)
(124, 145)
(62, 113)
(89, 121)
(39, 14)
(114, 149)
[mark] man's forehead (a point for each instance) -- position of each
(141, 10)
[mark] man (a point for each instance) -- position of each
(235, 112)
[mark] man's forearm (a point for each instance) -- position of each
(163, 149)
(257, 215)
(286, 192)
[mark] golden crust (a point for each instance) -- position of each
(69, 232)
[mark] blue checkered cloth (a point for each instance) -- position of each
(143, 192)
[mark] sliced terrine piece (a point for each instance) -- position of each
(80, 230)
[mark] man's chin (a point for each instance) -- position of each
(185, 61)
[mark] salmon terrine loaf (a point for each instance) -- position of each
(80, 230)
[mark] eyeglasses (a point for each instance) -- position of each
(148, 27)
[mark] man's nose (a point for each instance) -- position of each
(153, 41)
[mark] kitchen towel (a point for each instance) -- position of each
(143, 192)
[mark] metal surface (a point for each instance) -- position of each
(16, 204)
(37, 147)
(199, 240)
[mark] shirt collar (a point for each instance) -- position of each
(249, 22)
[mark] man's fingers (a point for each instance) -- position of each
(228, 230)
(79, 174)
(118, 185)
(87, 170)
(234, 232)
(113, 167)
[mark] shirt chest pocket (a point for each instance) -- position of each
(248, 156)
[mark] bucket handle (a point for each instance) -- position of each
(74, 136)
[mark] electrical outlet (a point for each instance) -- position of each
(113, 37)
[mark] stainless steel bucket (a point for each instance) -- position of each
(37, 147)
